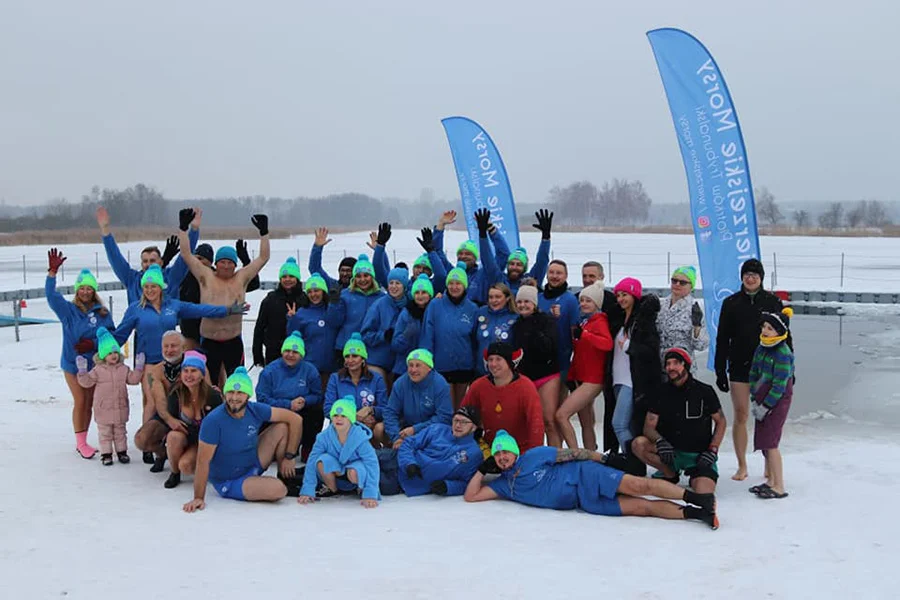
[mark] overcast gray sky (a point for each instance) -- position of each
(225, 98)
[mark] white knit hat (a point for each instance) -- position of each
(528, 292)
(595, 293)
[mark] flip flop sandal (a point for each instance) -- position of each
(770, 494)
(756, 489)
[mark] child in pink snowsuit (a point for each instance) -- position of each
(110, 376)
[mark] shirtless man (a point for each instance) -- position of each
(221, 338)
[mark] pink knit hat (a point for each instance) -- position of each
(629, 285)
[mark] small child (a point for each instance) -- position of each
(772, 387)
(111, 376)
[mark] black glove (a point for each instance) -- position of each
(388, 334)
(489, 466)
(696, 315)
(241, 247)
(576, 333)
(722, 382)
(438, 487)
(427, 240)
(384, 234)
(545, 222)
(413, 471)
(259, 360)
(84, 345)
(483, 219)
(185, 216)
(708, 457)
(334, 295)
(665, 451)
(261, 222)
(171, 250)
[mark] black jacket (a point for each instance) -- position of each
(643, 352)
(739, 325)
(271, 322)
(537, 336)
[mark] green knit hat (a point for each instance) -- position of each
(422, 284)
(355, 346)
(688, 271)
(295, 343)
(106, 343)
(345, 407)
(239, 382)
(154, 275)
(504, 441)
(85, 277)
(363, 265)
(458, 273)
(423, 355)
(520, 255)
(423, 261)
(468, 246)
(315, 282)
(290, 267)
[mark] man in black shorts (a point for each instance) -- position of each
(678, 430)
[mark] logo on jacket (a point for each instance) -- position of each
(367, 398)
(461, 457)
(465, 318)
(169, 312)
(427, 401)
(251, 430)
(539, 474)
(93, 319)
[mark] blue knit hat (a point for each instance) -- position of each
(399, 274)
(106, 343)
(226, 253)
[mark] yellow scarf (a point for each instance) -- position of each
(774, 340)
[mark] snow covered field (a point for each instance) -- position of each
(75, 529)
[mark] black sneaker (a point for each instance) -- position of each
(123, 457)
(700, 514)
(158, 465)
(325, 492)
(106, 459)
(147, 458)
(173, 480)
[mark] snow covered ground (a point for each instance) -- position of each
(75, 529)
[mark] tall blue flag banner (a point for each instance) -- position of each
(482, 178)
(723, 213)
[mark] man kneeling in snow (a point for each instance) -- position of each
(233, 466)
(549, 477)
(440, 459)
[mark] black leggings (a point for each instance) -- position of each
(230, 353)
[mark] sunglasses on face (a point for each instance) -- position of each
(676, 281)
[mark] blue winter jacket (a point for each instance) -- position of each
(351, 311)
(371, 391)
(417, 405)
(381, 316)
(407, 331)
(319, 325)
(448, 332)
(356, 453)
(131, 278)
(480, 280)
(279, 384)
(75, 326)
(441, 457)
(538, 269)
(492, 326)
(151, 325)
(569, 317)
(383, 268)
(315, 266)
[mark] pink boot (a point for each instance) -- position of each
(82, 447)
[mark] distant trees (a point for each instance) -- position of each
(619, 202)
(802, 219)
(766, 208)
(832, 218)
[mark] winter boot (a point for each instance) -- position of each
(147, 457)
(106, 460)
(82, 447)
(123, 457)
(173, 480)
(159, 463)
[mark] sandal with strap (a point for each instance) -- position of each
(756, 489)
(769, 494)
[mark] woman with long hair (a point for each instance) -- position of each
(494, 322)
(318, 324)
(408, 328)
(355, 302)
(80, 319)
(189, 401)
(364, 385)
(378, 328)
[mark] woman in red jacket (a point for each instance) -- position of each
(591, 342)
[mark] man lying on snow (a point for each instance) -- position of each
(549, 477)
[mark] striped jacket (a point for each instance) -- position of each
(774, 367)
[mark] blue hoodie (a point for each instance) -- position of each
(380, 317)
(75, 326)
(538, 269)
(448, 332)
(279, 384)
(131, 278)
(351, 311)
(479, 279)
(151, 325)
(371, 391)
(417, 405)
(319, 325)
(493, 326)
(569, 317)
(382, 268)
(407, 332)
(356, 453)
(315, 266)
(441, 457)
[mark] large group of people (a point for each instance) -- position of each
(431, 379)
